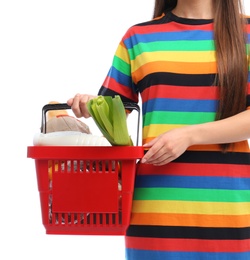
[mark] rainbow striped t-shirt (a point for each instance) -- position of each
(198, 206)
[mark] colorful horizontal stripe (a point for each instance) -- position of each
(200, 182)
(178, 92)
(197, 194)
(204, 168)
(177, 118)
(168, 36)
(190, 207)
(157, 254)
(198, 206)
(186, 245)
(190, 220)
(181, 105)
(195, 232)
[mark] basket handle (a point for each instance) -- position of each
(62, 106)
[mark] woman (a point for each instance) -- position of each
(189, 66)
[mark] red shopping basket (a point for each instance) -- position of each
(85, 190)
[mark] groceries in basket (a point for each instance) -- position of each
(65, 130)
(60, 120)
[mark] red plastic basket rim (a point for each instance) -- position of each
(86, 152)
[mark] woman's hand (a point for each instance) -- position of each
(78, 104)
(167, 147)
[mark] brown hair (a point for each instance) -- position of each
(230, 44)
(163, 5)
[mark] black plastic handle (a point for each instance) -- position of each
(63, 106)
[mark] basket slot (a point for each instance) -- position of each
(86, 220)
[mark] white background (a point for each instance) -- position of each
(51, 50)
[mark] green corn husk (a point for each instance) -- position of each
(110, 116)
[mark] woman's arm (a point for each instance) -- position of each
(229, 130)
(173, 143)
